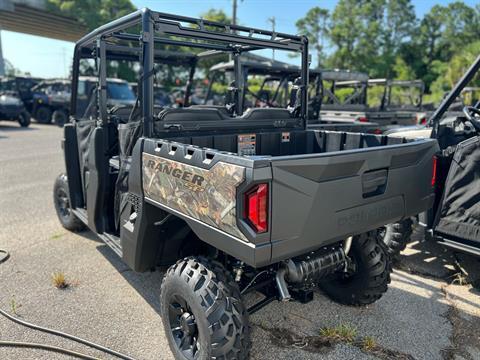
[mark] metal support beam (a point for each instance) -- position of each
(147, 71)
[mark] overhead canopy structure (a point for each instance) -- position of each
(31, 17)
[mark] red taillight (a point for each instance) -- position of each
(256, 207)
(434, 170)
(423, 120)
(377, 131)
(362, 119)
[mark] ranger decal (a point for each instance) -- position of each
(206, 195)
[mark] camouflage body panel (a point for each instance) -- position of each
(206, 195)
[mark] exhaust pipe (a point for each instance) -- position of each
(312, 268)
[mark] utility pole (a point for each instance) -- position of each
(2, 61)
(234, 13)
(272, 21)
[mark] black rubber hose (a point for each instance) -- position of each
(46, 347)
(4, 255)
(53, 332)
(66, 336)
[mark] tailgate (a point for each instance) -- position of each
(322, 198)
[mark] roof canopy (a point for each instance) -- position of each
(33, 19)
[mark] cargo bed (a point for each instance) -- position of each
(322, 186)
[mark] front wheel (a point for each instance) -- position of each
(60, 117)
(202, 311)
(367, 275)
(61, 200)
(24, 119)
(43, 115)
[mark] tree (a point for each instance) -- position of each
(314, 26)
(92, 13)
(369, 38)
(443, 32)
(216, 15)
(402, 70)
(398, 26)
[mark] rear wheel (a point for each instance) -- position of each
(396, 236)
(202, 311)
(43, 115)
(59, 117)
(61, 201)
(24, 119)
(367, 276)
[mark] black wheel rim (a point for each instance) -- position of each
(63, 205)
(183, 327)
(382, 232)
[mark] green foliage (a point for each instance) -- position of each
(314, 26)
(385, 39)
(402, 70)
(92, 13)
(217, 15)
(375, 95)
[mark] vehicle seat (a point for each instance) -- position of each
(266, 113)
(193, 114)
(122, 112)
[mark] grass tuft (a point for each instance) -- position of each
(345, 333)
(59, 280)
(14, 306)
(369, 344)
(57, 236)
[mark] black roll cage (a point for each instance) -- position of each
(272, 70)
(434, 120)
(154, 28)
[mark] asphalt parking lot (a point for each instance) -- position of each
(428, 312)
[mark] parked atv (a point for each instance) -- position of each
(233, 201)
(12, 107)
(454, 220)
(51, 100)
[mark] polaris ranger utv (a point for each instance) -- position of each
(233, 202)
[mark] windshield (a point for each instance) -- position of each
(7, 85)
(120, 91)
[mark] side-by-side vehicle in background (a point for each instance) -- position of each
(275, 78)
(454, 220)
(269, 83)
(399, 100)
(353, 97)
(12, 106)
(51, 98)
(51, 101)
(232, 200)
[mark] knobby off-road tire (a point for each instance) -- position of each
(203, 313)
(61, 200)
(396, 236)
(60, 117)
(369, 274)
(24, 119)
(43, 115)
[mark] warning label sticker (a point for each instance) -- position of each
(246, 144)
